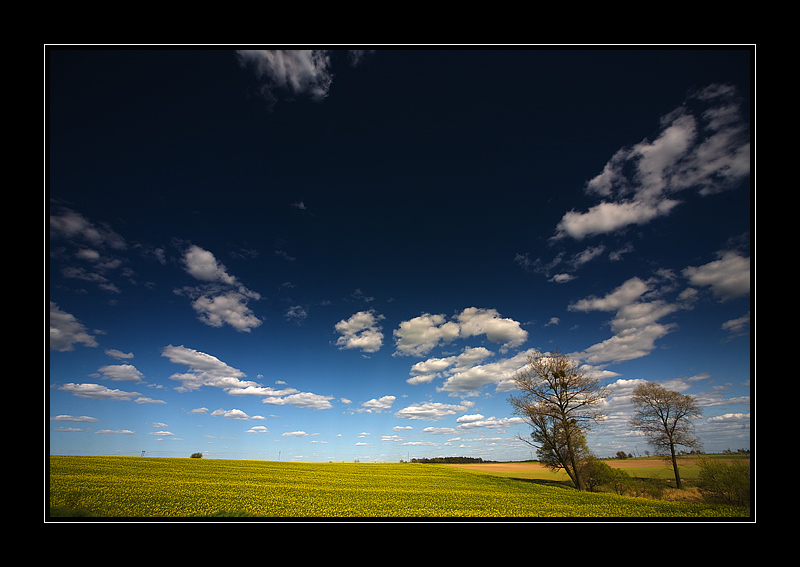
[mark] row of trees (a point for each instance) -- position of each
(561, 403)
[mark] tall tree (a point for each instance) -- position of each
(559, 401)
(664, 416)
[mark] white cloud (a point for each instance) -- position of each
(302, 400)
(500, 373)
(294, 434)
(380, 404)
(728, 277)
(478, 421)
(300, 72)
(474, 321)
(203, 265)
(635, 324)
(74, 226)
(121, 372)
(286, 396)
(204, 370)
(257, 429)
(66, 331)
(296, 313)
(118, 354)
(222, 300)
(609, 217)
(235, 414)
(432, 411)
(425, 371)
(82, 418)
(360, 331)
(739, 326)
(418, 336)
(707, 150)
(97, 392)
(230, 307)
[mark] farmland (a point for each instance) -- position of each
(182, 488)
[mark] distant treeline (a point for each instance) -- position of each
(450, 460)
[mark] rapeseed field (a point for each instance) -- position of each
(182, 488)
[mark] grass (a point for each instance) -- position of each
(157, 487)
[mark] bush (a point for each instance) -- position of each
(725, 483)
(197, 455)
(597, 474)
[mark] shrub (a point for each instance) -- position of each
(597, 474)
(197, 455)
(725, 483)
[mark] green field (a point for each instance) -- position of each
(161, 487)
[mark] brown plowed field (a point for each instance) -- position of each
(613, 463)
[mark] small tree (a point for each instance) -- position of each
(559, 402)
(197, 455)
(664, 416)
(725, 483)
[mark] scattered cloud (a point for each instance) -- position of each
(418, 336)
(66, 331)
(204, 370)
(432, 411)
(360, 331)
(222, 300)
(121, 372)
(728, 277)
(703, 145)
(288, 72)
(118, 354)
(378, 405)
(235, 414)
(291, 74)
(97, 392)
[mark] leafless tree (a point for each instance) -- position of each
(664, 416)
(559, 401)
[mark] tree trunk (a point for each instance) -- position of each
(678, 484)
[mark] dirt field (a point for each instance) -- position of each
(613, 463)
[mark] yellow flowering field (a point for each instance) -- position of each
(161, 487)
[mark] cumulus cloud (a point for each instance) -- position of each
(222, 300)
(88, 251)
(73, 226)
(418, 336)
(427, 370)
(285, 396)
(432, 411)
(477, 421)
(302, 400)
(97, 392)
(728, 277)
(235, 414)
(204, 370)
(203, 265)
(378, 405)
(121, 372)
(360, 331)
(288, 73)
(66, 331)
(474, 321)
(635, 324)
(303, 72)
(703, 145)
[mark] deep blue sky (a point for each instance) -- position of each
(317, 257)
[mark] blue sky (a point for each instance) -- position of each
(332, 255)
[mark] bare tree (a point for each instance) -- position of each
(664, 416)
(559, 401)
